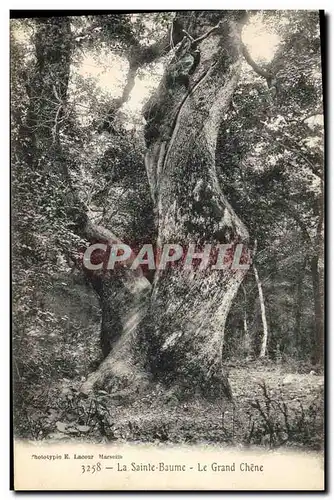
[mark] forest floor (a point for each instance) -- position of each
(274, 404)
(271, 408)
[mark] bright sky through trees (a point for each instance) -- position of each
(110, 71)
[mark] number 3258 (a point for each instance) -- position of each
(91, 468)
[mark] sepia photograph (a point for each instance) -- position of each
(167, 249)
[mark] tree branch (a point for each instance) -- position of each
(140, 56)
(195, 43)
(296, 149)
(260, 71)
(130, 82)
(316, 112)
(293, 212)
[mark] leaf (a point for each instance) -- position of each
(53, 414)
(58, 436)
(83, 428)
(61, 426)
(72, 430)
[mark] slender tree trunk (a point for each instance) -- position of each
(247, 341)
(318, 354)
(318, 283)
(264, 342)
(299, 307)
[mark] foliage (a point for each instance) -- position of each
(270, 156)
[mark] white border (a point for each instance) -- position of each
(172, 5)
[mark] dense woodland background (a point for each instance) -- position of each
(78, 148)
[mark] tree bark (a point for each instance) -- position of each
(179, 340)
(123, 297)
(188, 309)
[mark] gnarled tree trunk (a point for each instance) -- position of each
(189, 308)
(173, 329)
(180, 340)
